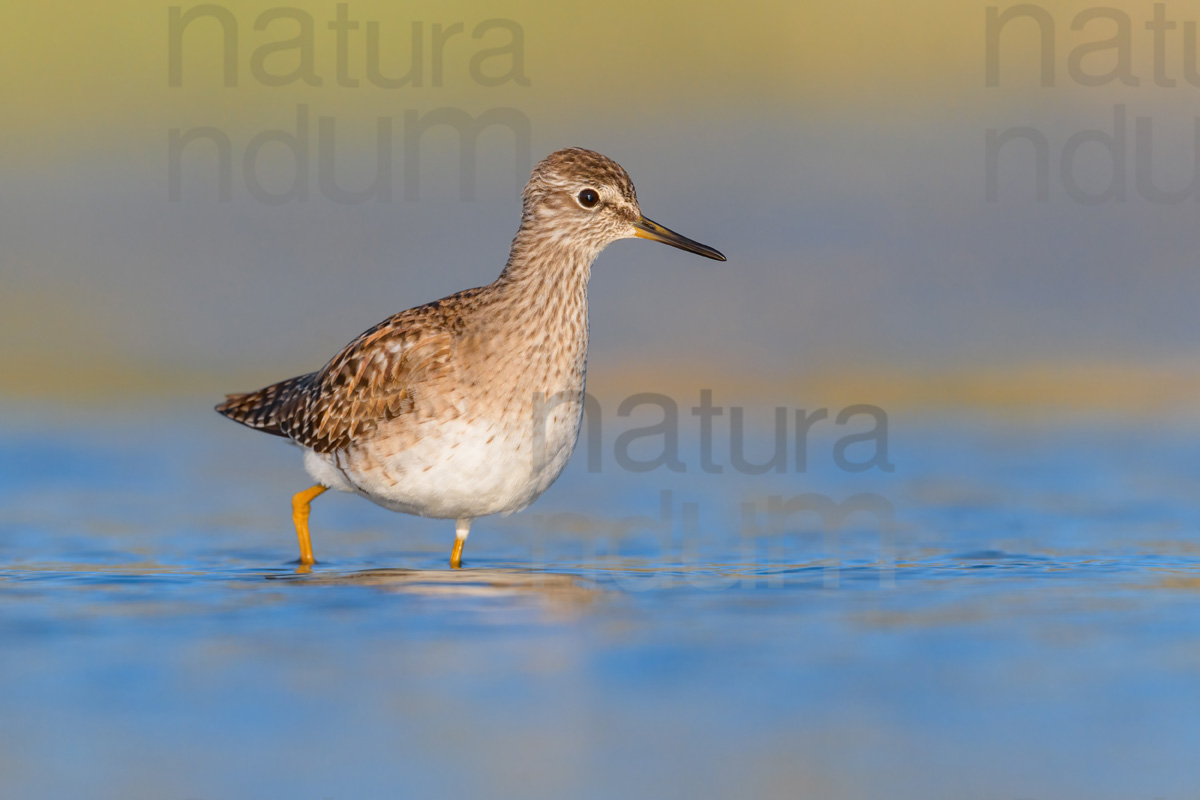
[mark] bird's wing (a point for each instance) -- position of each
(377, 377)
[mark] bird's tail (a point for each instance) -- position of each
(267, 409)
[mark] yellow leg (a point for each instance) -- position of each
(300, 502)
(461, 528)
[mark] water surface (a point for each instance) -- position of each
(1026, 628)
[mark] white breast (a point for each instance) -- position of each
(457, 468)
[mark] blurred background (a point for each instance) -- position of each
(976, 218)
(840, 156)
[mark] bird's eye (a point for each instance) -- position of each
(588, 198)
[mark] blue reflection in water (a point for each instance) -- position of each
(1038, 638)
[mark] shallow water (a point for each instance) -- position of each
(1026, 627)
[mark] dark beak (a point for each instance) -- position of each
(649, 229)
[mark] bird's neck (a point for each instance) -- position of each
(544, 263)
(542, 296)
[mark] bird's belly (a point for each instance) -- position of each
(459, 469)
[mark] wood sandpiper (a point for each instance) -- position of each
(470, 405)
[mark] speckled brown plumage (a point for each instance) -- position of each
(438, 410)
(372, 380)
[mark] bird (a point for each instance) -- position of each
(470, 405)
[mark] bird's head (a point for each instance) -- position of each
(579, 197)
